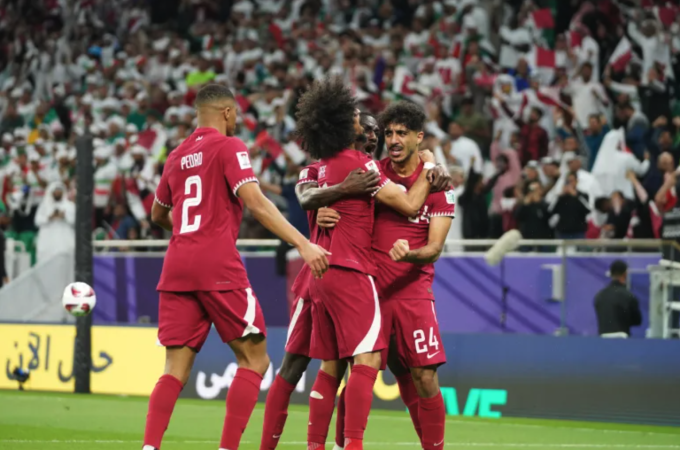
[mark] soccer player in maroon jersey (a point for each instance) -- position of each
(296, 358)
(345, 309)
(405, 250)
(205, 182)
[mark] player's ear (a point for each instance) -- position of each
(421, 135)
(227, 112)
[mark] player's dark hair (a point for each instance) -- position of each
(325, 118)
(212, 93)
(405, 113)
(618, 268)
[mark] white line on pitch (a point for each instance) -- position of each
(373, 444)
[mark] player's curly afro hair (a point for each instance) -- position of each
(325, 118)
(405, 113)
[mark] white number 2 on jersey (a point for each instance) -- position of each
(187, 227)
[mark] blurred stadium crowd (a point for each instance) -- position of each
(557, 117)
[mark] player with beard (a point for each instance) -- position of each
(296, 358)
(371, 131)
(345, 308)
(405, 250)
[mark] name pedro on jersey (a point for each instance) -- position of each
(193, 160)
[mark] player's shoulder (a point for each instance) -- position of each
(442, 198)
(310, 173)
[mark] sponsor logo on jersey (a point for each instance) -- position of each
(322, 171)
(450, 197)
(243, 160)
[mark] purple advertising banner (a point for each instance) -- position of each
(468, 292)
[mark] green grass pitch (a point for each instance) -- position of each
(32, 421)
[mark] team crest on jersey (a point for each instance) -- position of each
(243, 160)
(322, 171)
(304, 173)
(371, 165)
(450, 197)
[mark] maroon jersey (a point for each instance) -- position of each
(200, 182)
(301, 284)
(400, 280)
(350, 241)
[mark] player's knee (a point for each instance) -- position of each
(259, 363)
(426, 381)
(335, 368)
(368, 359)
(293, 367)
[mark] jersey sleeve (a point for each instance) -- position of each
(443, 204)
(370, 164)
(237, 168)
(309, 174)
(163, 194)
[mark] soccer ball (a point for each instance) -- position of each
(79, 299)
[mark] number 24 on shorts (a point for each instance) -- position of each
(425, 346)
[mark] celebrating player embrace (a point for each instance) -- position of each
(405, 249)
(205, 182)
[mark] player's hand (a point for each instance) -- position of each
(327, 218)
(360, 182)
(399, 250)
(440, 179)
(315, 257)
(426, 156)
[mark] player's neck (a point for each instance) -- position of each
(407, 167)
(221, 127)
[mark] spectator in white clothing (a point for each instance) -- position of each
(588, 95)
(55, 218)
(464, 151)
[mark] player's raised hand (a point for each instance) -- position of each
(440, 179)
(400, 250)
(426, 156)
(360, 182)
(327, 217)
(315, 257)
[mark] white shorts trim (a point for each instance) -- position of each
(296, 316)
(367, 344)
(250, 314)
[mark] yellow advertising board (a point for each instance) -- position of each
(125, 360)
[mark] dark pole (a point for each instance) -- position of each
(82, 358)
(504, 297)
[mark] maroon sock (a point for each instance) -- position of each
(358, 400)
(321, 405)
(409, 396)
(275, 412)
(241, 399)
(432, 416)
(161, 404)
(340, 421)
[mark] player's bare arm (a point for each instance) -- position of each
(437, 232)
(271, 218)
(358, 182)
(408, 203)
(161, 216)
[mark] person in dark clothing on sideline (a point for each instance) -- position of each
(532, 214)
(473, 201)
(572, 208)
(616, 307)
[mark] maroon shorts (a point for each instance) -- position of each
(412, 324)
(184, 318)
(300, 328)
(346, 316)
